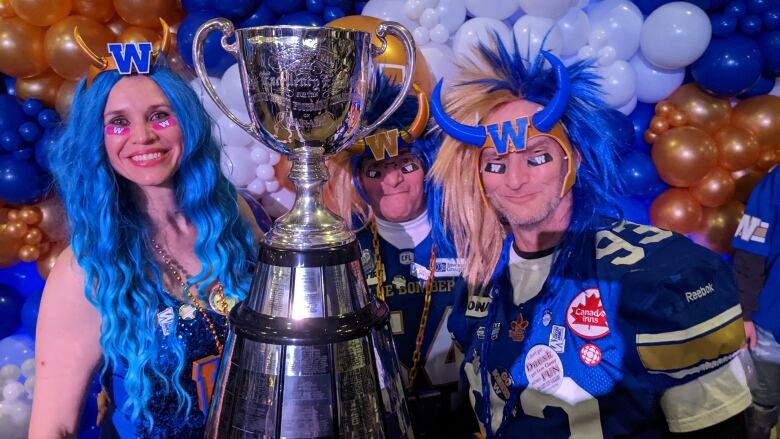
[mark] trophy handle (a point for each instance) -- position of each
(399, 31)
(226, 27)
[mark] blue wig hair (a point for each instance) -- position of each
(110, 236)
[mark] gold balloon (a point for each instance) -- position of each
(715, 189)
(41, 12)
(745, 180)
(677, 118)
(767, 159)
(703, 110)
(15, 229)
(684, 155)
(34, 236)
(28, 253)
(99, 10)
(43, 87)
(9, 249)
(13, 215)
(663, 108)
(718, 226)
(6, 11)
(30, 215)
(54, 221)
(650, 137)
(659, 125)
(393, 55)
(22, 46)
(737, 148)
(65, 98)
(760, 115)
(677, 210)
(117, 25)
(144, 13)
(135, 34)
(65, 57)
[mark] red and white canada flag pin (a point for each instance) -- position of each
(586, 316)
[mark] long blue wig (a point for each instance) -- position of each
(110, 236)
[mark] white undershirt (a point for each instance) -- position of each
(407, 234)
(527, 275)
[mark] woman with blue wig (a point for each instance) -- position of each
(160, 250)
(573, 322)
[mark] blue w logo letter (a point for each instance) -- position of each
(131, 54)
(508, 136)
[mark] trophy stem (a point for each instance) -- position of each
(309, 224)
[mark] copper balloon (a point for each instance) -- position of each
(659, 125)
(33, 236)
(703, 110)
(677, 118)
(47, 260)
(282, 172)
(42, 12)
(28, 253)
(650, 137)
(53, 222)
(684, 155)
(99, 10)
(22, 48)
(116, 25)
(15, 229)
(6, 11)
(393, 55)
(14, 215)
(65, 57)
(737, 148)
(135, 34)
(745, 180)
(663, 108)
(144, 13)
(760, 115)
(30, 215)
(767, 159)
(715, 189)
(65, 98)
(718, 226)
(43, 87)
(677, 210)
(9, 249)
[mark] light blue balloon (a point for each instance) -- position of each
(15, 349)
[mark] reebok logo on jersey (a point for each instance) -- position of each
(477, 307)
(690, 296)
(751, 228)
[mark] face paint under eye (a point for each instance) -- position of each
(116, 130)
(495, 168)
(409, 168)
(539, 160)
(373, 173)
(163, 124)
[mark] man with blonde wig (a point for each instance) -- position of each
(574, 323)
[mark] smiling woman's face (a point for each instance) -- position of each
(394, 186)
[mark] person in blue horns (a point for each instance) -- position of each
(160, 249)
(574, 322)
(380, 184)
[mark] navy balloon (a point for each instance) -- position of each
(11, 304)
(302, 18)
(195, 5)
(233, 8)
(708, 5)
(771, 19)
(763, 86)
(635, 210)
(10, 141)
(11, 114)
(287, 6)
(758, 6)
(32, 107)
(736, 9)
(648, 6)
(261, 16)
(723, 25)
(23, 154)
(729, 66)
(639, 174)
(217, 59)
(29, 314)
(331, 13)
(30, 131)
(48, 118)
(769, 42)
(42, 148)
(359, 7)
(22, 181)
(23, 277)
(641, 117)
(315, 6)
(9, 84)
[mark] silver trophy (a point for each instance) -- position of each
(309, 353)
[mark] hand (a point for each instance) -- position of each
(751, 338)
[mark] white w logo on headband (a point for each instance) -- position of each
(129, 55)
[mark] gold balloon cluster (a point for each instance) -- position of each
(713, 155)
(37, 45)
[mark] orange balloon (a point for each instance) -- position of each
(53, 222)
(99, 10)
(684, 155)
(65, 57)
(22, 51)
(135, 34)
(117, 25)
(715, 189)
(43, 87)
(65, 98)
(677, 210)
(9, 249)
(282, 173)
(6, 11)
(394, 57)
(718, 226)
(30, 215)
(47, 260)
(760, 115)
(737, 148)
(767, 159)
(745, 180)
(28, 253)
(42, 12)
(703, 110)
(144, 13)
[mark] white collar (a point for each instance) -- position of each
(407, 234)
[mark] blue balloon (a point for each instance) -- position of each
(769, 42)
(22, 278)
(261, 16)
(648, 6)
(331, 13)
(30, 131)
(42, 147)
(639, 174)
(641, 117)
(771, 19)
(758, 6)
(233, 8)
(709, 5)
(195, 5)
(359, 7)
(750, 24)
(23, 154)
(32, 107)
(635, 210)
(48, 118)
(332, 2)
(9, 84)
(315, 6)
(11, 141)
(736, 9)
(763, 86)
(723, 25)
(11, 114)
(302, 18)
(729, 66)
(11, 304)
(29, 314)
(287, 6)
(216, 58)
(15, 349)
(22, 181)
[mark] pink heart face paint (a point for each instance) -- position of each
(163, 124)
(116, 130)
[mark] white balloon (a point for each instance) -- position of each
(498, 9)
(18, 411)
(12, 391)
(430, 3)
(452, 13)
(421, 35)
(10, 372)
(479, 30)
(260, 154)
(618, 83)
(274, 157)
(607, 55)
(230, 89)
(279, 202)
(256, 187)
(440, 34)
(429, 18)
(586, 52)
(413, 9)
(29, 386)
(440, 59)
(675, 35)
(574, 28)
(654, 84)
(205, 99)
(265, 172)
(545, 8)
(616, 23)
(388, 10)
(230, 134)
(629, 107)
(237, 165)
(28, 367)
(272, 185)
(534, 33)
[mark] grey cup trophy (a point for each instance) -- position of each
(309, 353)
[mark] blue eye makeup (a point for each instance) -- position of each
(539, 160)
(409, 168)
(495, 168)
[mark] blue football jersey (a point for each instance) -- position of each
(758, 233)
(591, 355)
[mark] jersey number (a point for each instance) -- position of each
(580, 406)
